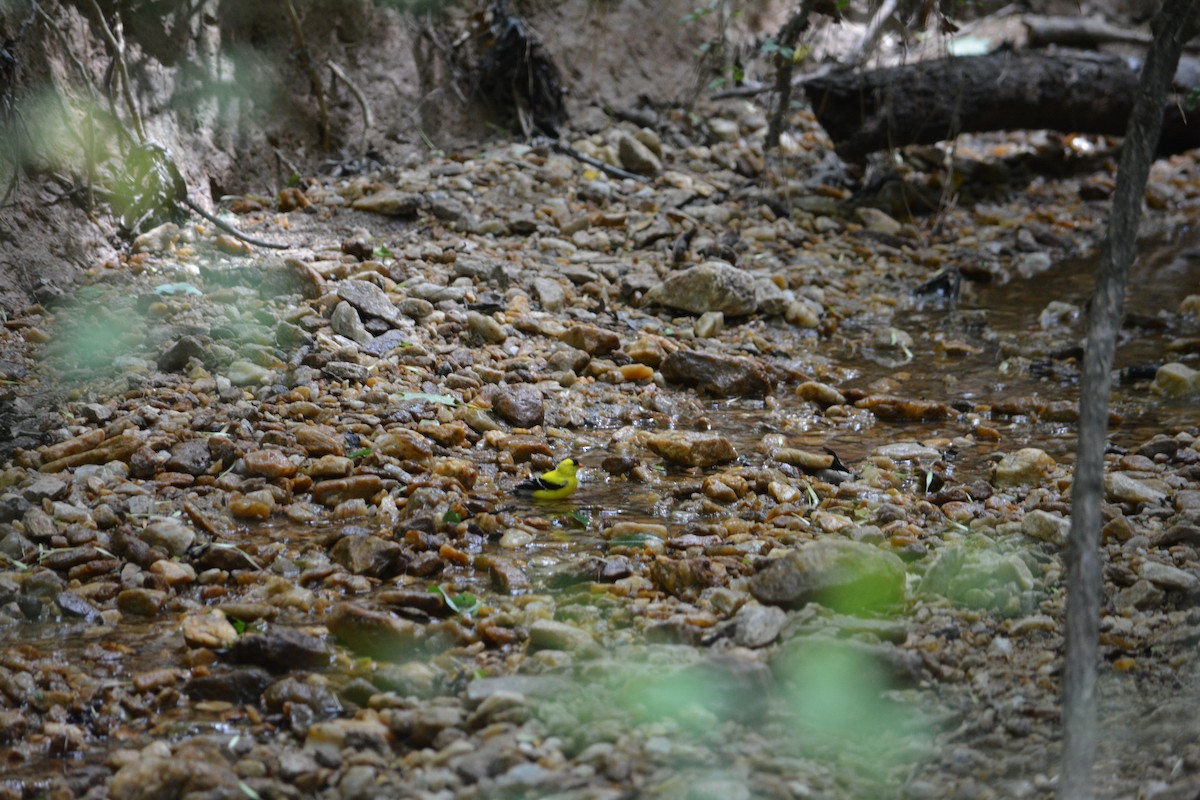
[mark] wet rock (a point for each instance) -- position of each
(170, 535)
(1169, 578)
(404, 444)
(902, 409)
(876, 221)
(486, 327)
(692, 448)
(1047, 527)
(72, 605)
(593, 340)
(369, 555)
(373, 633)
(1176, 380)
(1142, 595)
(208, 629)
(720, 375)
(258, 504)
(549, 293)
(176, 357)
(710, 324)
(974, 577)
(548, 634)
(637, 157)
(711, 286)
(242, 685)
(1122, 488)
(269, 464)
(141, 602)
(842, 575)
(44, 487)
(190, 457)
(280, 650)
(687, 577)
(197, 767)
(757, 625)
(369, 299)
(320, 440)
(522, 405)
(246, 373)
(345, 321)
(330, 467)
(1028, 465)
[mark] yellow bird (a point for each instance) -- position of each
(557, 484)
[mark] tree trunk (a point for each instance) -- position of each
(1084, 582)
(936, 100)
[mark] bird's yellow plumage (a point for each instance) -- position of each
(558, 483)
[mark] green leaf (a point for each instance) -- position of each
(239, 625)
(382, 251)
(582, 517)
(293, 180)
(467, 604)
(362, 453)
(452, 518)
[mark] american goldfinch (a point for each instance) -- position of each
(556, 484)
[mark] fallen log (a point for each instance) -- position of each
(936, 100)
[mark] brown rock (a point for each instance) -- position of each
(720, 375)
(522, 405)
(320, 440)
(692, 448)
(330, 493)
(592, 339)
(403, 444)
(369, 555)
(376, 634)
(269, 464)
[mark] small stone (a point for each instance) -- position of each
(547, 634)
(369, 299)
(1143, 595)
(141, 602)
(486, 327)
(269, 464)
(392, 202)
(339, 490)
(245, 373)
(522, 405)
(843, 575)
(176, 357)
(369, 555)
(820, 393)
(173, 573)
(330, 467)
(692, 448)
(876, 221)
(1026, 466)
(549, 293)
(157, 240)
(258, 504)
(44, 487)
(508, 577)
(403, 444)
(1046, 527)
(637, 157)
(170, 535)
(319, 440)
(592, 339)
(345, 321)
(802, 315)
(710, 324)
(1058, 314)
(758, 625)
(190, 457)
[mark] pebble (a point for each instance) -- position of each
(258, 504)
(592, 339)
(522, 405)
(172, 536)
(551, 635)
(1172, 579)
(269, 464)
(246, 373)
(1176, 380)
(339, 490)
(1046, 527)
(1121, 488)
(486, 327)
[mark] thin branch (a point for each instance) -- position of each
(607, 169)
(116, 43)
(368, 117)
(314, 77)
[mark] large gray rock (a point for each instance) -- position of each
(711, 286)
(842, 575)
(369, 299)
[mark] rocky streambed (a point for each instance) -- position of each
(259, 537)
